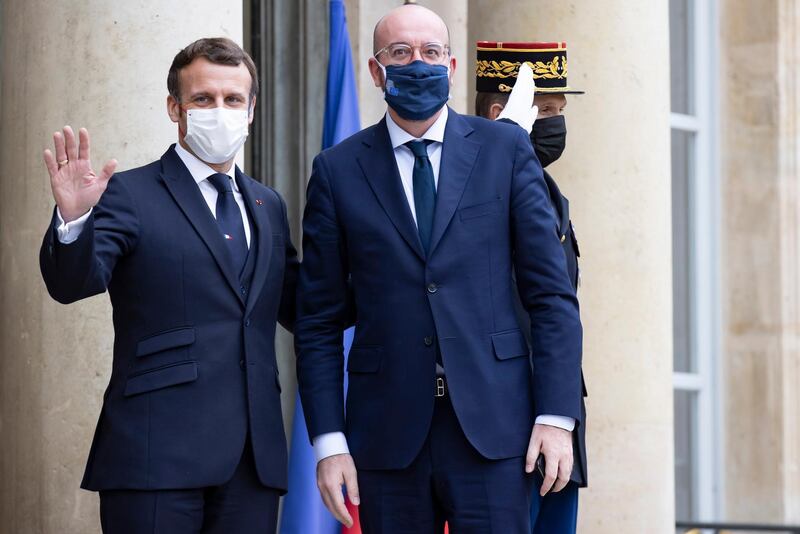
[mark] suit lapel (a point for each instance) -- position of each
(378, 164)
(458, 159)
(257, 210)
(187, 195)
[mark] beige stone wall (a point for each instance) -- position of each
(760, 146)
(788, 73)
(102, 65)
(616, 173)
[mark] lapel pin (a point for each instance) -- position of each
(259, 202)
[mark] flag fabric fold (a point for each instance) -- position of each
(341, 97)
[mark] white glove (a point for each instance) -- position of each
(520, 108)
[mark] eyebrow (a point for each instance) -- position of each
(227, 94)
(423, 44)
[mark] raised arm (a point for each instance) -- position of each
(93, 225)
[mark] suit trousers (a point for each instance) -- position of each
(242, 505)
(449, 481)
(555, 513)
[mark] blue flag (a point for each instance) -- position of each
(341, 97)
(303, 510)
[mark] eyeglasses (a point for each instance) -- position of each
(402, 53)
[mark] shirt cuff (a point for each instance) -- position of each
(69, 231)
(566, 423)
(330, 444)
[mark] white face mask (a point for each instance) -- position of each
(216, 135)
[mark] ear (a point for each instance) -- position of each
(251, 113)
(173, 109)
(452, 68)
(376, 72)
(495, 110)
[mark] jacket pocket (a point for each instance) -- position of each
(509, 345)
(479, 210)
(161, 377)
(177, 337)
(364, 359)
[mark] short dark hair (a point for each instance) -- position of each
(485, 101)
(219, 50)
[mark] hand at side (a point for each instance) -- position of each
(334, 472)
(556, 446)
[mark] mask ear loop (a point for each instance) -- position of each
(383, 70)
(449, 92)
(186, 112)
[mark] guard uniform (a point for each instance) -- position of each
(496, 71)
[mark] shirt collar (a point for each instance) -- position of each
(399, 137)
(199, 169)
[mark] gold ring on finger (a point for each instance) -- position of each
(63, 162)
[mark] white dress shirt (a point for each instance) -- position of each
(200, 171)
(332, 443)
(405, 158)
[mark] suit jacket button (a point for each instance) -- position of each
(432, 288)
(247, 322)
(428, 341)
(241, 364)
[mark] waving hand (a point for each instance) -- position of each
(76, 187)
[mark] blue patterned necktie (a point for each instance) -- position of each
(424, 190)
(229, 220)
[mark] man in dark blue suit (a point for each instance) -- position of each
(199, 265)
(423, 216)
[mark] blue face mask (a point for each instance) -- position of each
(416, 91)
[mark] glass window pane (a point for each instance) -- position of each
(685, 455)
(682, 310)
(681, 55)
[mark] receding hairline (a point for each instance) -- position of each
(405, 6)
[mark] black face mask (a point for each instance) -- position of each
(549, 137)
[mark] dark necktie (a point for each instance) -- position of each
(424, 190)
(424, 205)
(229, 220)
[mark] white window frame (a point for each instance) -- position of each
(704, 236)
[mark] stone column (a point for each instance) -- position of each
(101, 64)
(616, 173)
(788, 75)
(760, 148)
